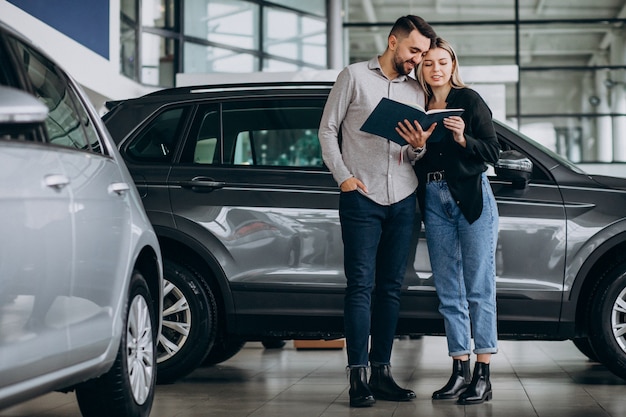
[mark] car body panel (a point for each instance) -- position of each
(74, 230)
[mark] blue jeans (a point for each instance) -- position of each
(376, 242)
(462, 257)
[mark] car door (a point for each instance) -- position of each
(267, 204)
(100, 213)
(35, 261)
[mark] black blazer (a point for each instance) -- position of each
(463, 166)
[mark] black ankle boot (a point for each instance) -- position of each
(360, 394)
(458, 382)
(479, 390)
(384, 387)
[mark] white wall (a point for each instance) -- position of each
(100, 77)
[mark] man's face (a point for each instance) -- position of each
(409, 52)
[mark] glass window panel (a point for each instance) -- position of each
(481, 44)
(207, 59)
(294, 36)
(567, 9)
(317, 7)
(158, 13)
(558, 92)
(128, 51)
(233, 23)
(492, 44)
(273, 134)
(157, 60)
(560, 44)
(434, 11)
(65, 125)
(157, 142)
(128, 8)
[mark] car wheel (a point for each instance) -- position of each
(584, 346)
(127, 389)
(224, 349)
(188, 331)
(607, 333)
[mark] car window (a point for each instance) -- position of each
(157, 141)
(68, 123)
(275, 133)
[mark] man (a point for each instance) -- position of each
(377, 203)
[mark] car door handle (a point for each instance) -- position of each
(119, 188)
(56, 181)
(202, 184)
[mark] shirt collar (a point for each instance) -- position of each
(374, 65)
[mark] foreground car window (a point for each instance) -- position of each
(67, 123)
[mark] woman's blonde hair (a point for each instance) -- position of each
(455, 79)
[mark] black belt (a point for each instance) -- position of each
(435, 176)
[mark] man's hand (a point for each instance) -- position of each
(413, 133)
(352, 184)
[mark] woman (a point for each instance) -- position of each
(460, 219)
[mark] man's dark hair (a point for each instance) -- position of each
(407, 24)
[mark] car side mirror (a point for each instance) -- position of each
(19, 112)
(515, 167)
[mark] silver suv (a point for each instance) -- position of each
(80, 265)
(246, 213)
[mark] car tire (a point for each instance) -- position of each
(608, 321)
(584, 346)
(127, 389)
(189, 318)
(224, 349)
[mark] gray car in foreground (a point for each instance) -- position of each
(246, 213)
(80, 265)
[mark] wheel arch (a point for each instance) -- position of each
(608, 255)
(179, 246)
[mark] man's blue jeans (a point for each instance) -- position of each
(462, 257)
(376, 242)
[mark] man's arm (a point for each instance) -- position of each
(330, 125)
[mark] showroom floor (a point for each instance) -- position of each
(529, 379)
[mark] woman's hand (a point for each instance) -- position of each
(413, 133)
(457, 126)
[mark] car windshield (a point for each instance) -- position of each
(559, 158)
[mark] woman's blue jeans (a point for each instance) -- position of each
(376, 242)
(462, 257)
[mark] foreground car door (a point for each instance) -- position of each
(35, 261)
(100, 215)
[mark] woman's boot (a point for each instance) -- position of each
(458, 382)
(479, 390)
(384, 387)
(360, 394)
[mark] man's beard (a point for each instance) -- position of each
(400, 66)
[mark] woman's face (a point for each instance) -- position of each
(437, 67)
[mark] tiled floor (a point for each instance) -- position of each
(547, 379)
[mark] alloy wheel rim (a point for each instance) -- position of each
(140, 350)
(618, 319)
(176, 322)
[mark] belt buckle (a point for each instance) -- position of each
(435, 176)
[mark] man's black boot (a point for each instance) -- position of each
(384, 387)
(479, 390)
(458, 382)
(360, 394)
